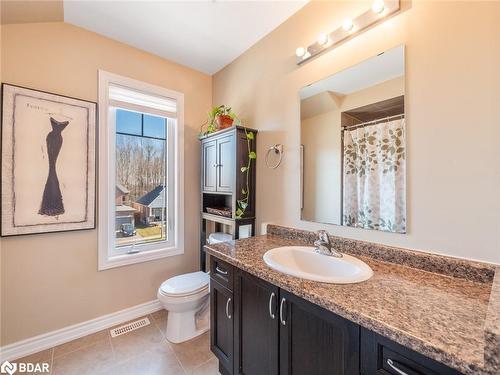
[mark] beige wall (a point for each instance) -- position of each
(26, 11)
(50, 281)
(321, 136)
(382, 91)
(453, 117)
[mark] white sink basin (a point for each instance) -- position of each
(304, 262)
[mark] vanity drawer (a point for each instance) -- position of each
(222, 272)
(381, 356)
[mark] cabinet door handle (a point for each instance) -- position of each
(220, 270)
(227, 308)
(392, 365)
(281, 312)
(271, 310)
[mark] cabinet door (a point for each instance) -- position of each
(209, 166)
(221, 319)
(256, 326)
(225, 162)
(315, 341)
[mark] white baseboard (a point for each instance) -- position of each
(48, 340)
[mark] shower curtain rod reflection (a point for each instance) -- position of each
(373, 122)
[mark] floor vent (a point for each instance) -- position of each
(129, 327)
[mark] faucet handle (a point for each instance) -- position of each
(323, 235)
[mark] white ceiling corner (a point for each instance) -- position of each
(203, 35)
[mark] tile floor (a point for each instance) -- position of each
(141, 352)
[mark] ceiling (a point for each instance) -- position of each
(383, 67)
(203, 35)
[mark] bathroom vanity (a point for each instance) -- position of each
(418, 314)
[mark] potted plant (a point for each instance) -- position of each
(223, 117)
(220, 117)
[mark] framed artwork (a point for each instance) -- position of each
(48, 162)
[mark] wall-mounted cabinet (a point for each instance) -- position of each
(218, 164)
(223, 184)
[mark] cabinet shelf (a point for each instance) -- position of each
(222, 219)
(217, 218)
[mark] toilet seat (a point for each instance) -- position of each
(185, 285)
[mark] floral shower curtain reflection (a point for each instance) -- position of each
(374, 176)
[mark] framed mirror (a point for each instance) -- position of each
(353, 146)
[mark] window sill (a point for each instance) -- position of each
(146, 256)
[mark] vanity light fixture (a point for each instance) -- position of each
(300, 52)
(349, 28)
(378, 7)
(347, 25)
(323, 39)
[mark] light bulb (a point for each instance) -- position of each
(301, 51)
(347, 25)
(322, 39)
(378, 6)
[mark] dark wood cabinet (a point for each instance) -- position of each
(256, 332)
(225, 163)
(222, 272)
(381, 356)
(277, 333)
(314, 340)
(265, 330)
(223, 154)
(221, 320)
(218, 164)
(209, 166)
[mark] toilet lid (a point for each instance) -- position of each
(187, 283)
(219, 237)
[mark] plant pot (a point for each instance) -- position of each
(223, 121)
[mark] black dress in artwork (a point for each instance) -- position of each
(52, 203)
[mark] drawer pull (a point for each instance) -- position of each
(227, 308)
(271, 310)
(281, 312)
(221, 271)
(392, 365)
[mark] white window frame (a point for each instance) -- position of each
(108, 256)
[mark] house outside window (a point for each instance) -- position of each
(141, 176)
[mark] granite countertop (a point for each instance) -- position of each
(453, 320)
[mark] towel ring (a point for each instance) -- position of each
(278, 149)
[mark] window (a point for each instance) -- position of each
(140, 171)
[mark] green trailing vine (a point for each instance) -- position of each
(242, 203)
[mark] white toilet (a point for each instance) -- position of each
(186, 298)
(187, 301)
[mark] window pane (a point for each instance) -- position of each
(155, 126)
(128, 122)
(141, 208)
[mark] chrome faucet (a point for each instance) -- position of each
(324, 246)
